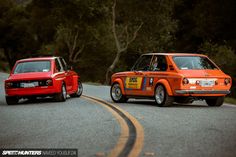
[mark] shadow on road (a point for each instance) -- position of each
(175, 105)
(36, 101)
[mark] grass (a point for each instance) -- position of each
(230, 100)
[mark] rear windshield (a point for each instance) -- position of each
(193, 62)
(34, 66)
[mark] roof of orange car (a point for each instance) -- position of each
(175, 54)
(37, 58)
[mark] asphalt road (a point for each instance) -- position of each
(76, 123)
(177, 131)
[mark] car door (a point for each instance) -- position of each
(158, 70)
(68, 75)
(135, 83)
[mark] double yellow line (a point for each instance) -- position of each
(122, 117)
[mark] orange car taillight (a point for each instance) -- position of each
(8, 85)
(49, 82)
(185, 81)
(227, 81)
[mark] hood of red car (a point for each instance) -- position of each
(29, 76)
(203, 73)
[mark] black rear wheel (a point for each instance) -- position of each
(62, 95)
(11, 100)
(215, 101)
(116, 93)
(161, 96)
(79, 91)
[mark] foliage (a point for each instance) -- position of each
(230, 100)
(51, 27)
(222, 55)
(16, 38)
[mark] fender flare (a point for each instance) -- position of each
(75, 82)
(166, 84)
(118, 80)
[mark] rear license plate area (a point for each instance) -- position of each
(207, 83)
(28, 85)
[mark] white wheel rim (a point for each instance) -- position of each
(160, 94)
(116, 92)
(64, 91)
(80, 88)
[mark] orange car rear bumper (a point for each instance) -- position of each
(202, 91)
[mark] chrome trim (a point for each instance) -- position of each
(202, 91)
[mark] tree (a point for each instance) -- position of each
(205, 20)
(222, 55)
(70, 37)
(16, 39)
(120, 46)
(141, 26)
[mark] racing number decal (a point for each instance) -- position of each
(133, 82)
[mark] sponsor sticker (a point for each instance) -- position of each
(133, 82)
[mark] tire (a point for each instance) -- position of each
(116, 94)
(32, 99)
(161, 96)
(215, 101)
(79, 91)
(11, 100)
(183, 100)
(60, 97)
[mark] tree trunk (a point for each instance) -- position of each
(119, 47)
(111, 67)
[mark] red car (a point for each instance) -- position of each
(40, 77)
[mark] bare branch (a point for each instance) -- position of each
(114, 25)
(75, 40)
(76, 58)
(127, 36)
(133, 38)
(118, 43)
(135, 33)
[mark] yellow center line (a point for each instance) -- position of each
(138, 145)
(124, 130)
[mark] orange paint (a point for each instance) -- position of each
(203, 77)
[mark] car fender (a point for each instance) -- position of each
(57, 84)
(119, 80)
(75, 82)
(166, 84)
(59, 79)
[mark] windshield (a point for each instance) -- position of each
(193, 62)
(34, 66)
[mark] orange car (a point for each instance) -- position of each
(172, 77)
